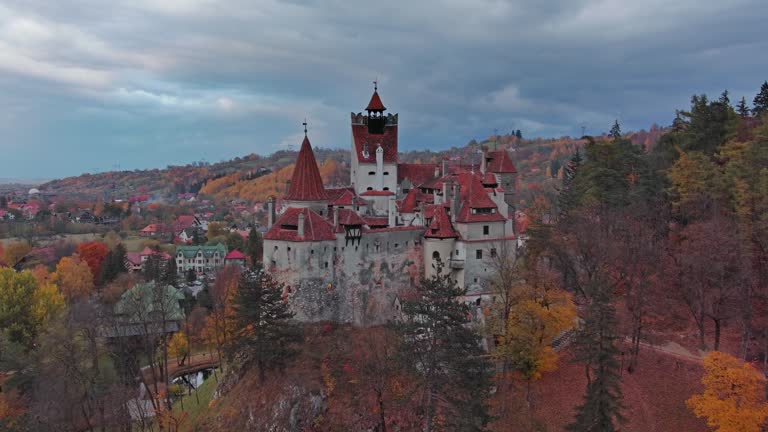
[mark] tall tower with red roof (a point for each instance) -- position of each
(306, 189)
(374, 154)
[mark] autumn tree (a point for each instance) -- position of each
(734, 395)
(541, 313)
(93, 253)
(266, 336)
(74, 278)
(454, 378)
(221, 323)
(705, 271)
(17, 303)
(16, 251)
(178, 347)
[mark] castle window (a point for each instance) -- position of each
(486, 230)
(396, 245)
(371, 172)
(275, 247)
(386, 188)
(493, 252)
(289, 248)
(369, 188)
(386, 172)
(311, 251)
(477, 302)
(475, 280)
(435, 255)
(326, 264)
(479, 254)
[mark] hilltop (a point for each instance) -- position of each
(254, 177)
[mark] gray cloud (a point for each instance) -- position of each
(86, 84)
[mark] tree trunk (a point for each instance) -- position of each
(717, 333)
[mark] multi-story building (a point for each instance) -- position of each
(200, 259)
(348, 254)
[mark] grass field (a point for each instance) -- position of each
(194, 411)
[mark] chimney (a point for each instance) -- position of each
(445, 166)
(270, 212)
(455, 204)
(301, 224)
(483, 161)
(336, 216)
(446, 185)
(437, 171)
(391, 211)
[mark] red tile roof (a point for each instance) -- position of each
(349, 217)
(375, 103)
(316, 228)
(373, 221)
(346, 199)
(183, 222)
(306, 183)
(490, 179)
(234, 255)
(410, 203)
(377, 193)
(415, 173)
(388, 142)
(500, 162)
(474, 196)
(155, 227)
(441, 226)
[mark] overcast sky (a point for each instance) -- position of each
(86, 85)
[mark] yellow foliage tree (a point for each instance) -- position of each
(734, 395)
(47, 302)
(74, 278)
(539, 314)
(178, 347)
(16, 251)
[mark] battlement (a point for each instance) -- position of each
(362, 119)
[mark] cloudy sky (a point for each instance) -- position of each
(86, 85)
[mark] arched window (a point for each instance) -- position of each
(435, 255)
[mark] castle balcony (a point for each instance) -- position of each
(456, 264)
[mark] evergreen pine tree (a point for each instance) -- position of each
(267, 337)
(445, 354)
(615, 130)
(725, 98)
(568, 198)
(742, 108)
(519, 134)
(254, 246)
(760, 103)
(170, 273)
(595, 347)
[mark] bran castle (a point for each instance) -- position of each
(350, 254)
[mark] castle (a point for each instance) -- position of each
(349, 254)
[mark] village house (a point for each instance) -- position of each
(200, 259)
(135, 261)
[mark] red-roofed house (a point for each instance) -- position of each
(235, 257)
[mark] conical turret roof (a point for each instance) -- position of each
(306, 183)
(375, 103)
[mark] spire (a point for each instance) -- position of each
(375, 104)
(306, 183)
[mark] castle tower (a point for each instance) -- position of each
(374, 154)
(306, 189)
(375, 118)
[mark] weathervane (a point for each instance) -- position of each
(376, 84)
(305, 126)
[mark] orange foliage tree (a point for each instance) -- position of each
(734, 395)
(93, 253)
(74, 278)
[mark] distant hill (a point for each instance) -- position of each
(255, 177)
